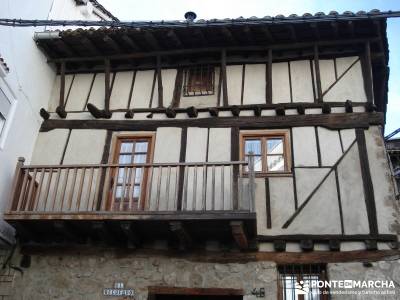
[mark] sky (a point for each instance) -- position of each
(127, 10)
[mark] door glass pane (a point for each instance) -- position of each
(125, 159)
(275, 146)
(253, 146)
(140, 158)
(275, 163)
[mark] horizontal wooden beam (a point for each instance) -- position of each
(330, 121)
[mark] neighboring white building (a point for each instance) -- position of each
(26, 86)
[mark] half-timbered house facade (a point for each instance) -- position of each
(227, 158)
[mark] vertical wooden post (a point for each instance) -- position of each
(159, 82)
(269, 78)
(368, 83)
(62, 84)
(16, 183)
(107, 85)
(317, 74)
(224, 82)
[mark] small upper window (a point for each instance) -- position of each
(269, 148)
(198, 81)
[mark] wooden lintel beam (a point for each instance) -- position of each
(130, 234)
(239, 234)
(181, 234)
(331, 121)
(159, 83)
(112, 44)
(224, 79)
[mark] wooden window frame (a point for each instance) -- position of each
(115, 152)
(264, 135)
(204, 89)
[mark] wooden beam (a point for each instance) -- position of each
(331, 121)
(90, 46)
(129, 42)
(177, 88)
(367, 182)
(317, 74)
(112, 44)
(62, 84)
(239, 234)
(132, 237)
(224, 80)
(267, 34)
(348, 106)
(228, 35)
(307, 245)
(159, 83)
(280, 245)
(368, 82)
(292, 32)
(170, 112)
(151, 40)
(315, 30)
(62, 229)
(181, 234)
(268, 92)
(107, 85)
(335, 29)
(102, 232)
(213, 111)
(44, 114)
(192, 112)
(334, 245)
(174, 37)
(235, 110)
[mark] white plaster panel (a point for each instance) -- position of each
(120, 92)
(55, 91)
(254, 84)
(196, 145)
(321, 214)
(382, 181)
(349, 87)
(352, 246)
(304, 146)
(79, 92)
(307, 180)
(234, 84)
(168, 83)
(280, 83)
(85, 146)
(300, 73)
(329, 144)
(352, 194)
(327, 73)
(203, 101)
(282, 202)
(168, 145)
(142, 89)
(219, 145)
(348, 137)
(49, 147)
(342, 63)
(97, 95)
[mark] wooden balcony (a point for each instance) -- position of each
(186, 204)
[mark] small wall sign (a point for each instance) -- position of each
(118, 290)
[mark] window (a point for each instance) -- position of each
(198, 81)
(300, 282)
(269, 148)
(130, 182)
(5, 106)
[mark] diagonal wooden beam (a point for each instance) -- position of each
(317, 74)
(159, 83)
(239, 234)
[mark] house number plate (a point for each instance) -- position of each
(118, 290)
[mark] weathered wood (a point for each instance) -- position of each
(102, 232)
(367, 182)
(170, 112)
(213, 111)
(235, 110)
(371, 245)
(307, 245)
(64, 230)
(60, 110)
(177, 88)
(325, 238)
(192, 112)
(268, 203)
(279, 245)
(181, 234)
(171, 34)
(280, 111)
(159, 83)
(62, 84)
(239, 234)
(107, 86)
(129, 114)
(326, 108)
(129, 41)
(182, 158)
(348, 106)
(301, 109)
(44, 114)
(133, 239)
(334, 245)
(235, 169)
(317, 74)
(268, 92)
(97, 113)
(257, 110)
(224, 79)
(368, 82)
(112, 44)
(164, 290)
(332, 121)
(370, 107)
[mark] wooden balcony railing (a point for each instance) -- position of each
(132, 188)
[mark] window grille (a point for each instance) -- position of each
(299, 282)
(199, 81)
